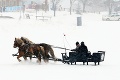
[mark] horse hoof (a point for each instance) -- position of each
(38, 61)
(19, 60)
(55, 59)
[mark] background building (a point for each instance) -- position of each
(16, 5)
(9, 5)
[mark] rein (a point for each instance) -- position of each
(59, 47)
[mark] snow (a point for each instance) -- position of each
(97, 35)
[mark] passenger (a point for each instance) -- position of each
(77, 47)
(80, 48)
(83, 48)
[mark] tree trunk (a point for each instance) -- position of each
(54, 7)
(70, 6)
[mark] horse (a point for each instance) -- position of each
(25, 50)
(47, 48)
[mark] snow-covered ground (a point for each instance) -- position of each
(97, 35)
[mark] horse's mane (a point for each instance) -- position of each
(26, 39)
(19, 41)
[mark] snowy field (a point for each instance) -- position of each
(97, 35)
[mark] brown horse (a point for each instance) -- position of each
(47, 48)
(25, 50)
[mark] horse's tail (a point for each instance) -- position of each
(47, 49)
(52, 52)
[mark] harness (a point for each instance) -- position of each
(24, 48)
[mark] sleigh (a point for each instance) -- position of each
(74, 57)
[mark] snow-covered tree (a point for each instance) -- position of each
(84, 2)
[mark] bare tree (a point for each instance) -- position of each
(71, 3)
(95, 5)
(109, 4)
(46, 5)
(84, 2)
(117, 6)
(55, 3)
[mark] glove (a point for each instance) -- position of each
(72, 50)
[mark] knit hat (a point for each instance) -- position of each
(82, 43)
(77, 43)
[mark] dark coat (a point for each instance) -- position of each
(83, 49)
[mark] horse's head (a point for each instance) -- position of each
(17, 42)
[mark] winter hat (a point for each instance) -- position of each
(77, 43)
(82, 43)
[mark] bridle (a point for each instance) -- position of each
(16, 44)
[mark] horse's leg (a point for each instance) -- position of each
(46, 56)
(20, 55)
(30, 56)
(42, 51)
(18, 58)
(31, 52)
(25, 58)
(39, 58)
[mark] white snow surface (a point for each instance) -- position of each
(98, 35)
